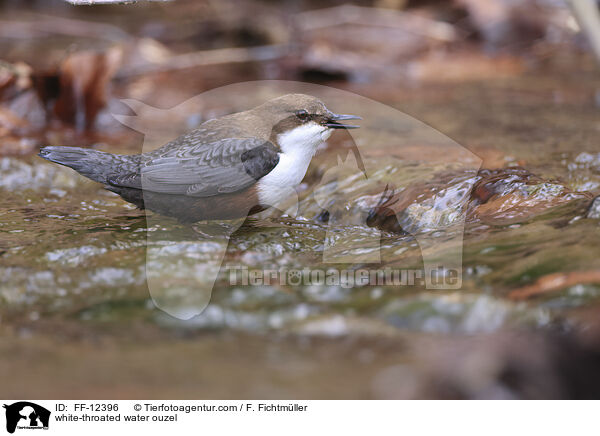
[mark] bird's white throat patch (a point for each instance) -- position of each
(298, 146)
(307, 136)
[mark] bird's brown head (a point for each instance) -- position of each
(302, 115)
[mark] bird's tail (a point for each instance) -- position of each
(93, 164)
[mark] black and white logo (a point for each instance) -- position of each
(26, 415)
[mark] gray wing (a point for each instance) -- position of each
(202, 170)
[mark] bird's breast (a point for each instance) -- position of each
(278, 185)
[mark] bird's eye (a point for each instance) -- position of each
(302, 115)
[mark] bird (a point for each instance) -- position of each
(227, 168)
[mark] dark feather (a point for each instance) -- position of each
(206, 169)
(96, 165)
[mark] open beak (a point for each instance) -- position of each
(333, 121)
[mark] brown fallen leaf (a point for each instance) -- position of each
(555, 282)
(84, 77)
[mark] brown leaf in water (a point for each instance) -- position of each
(83, 81)
(555, 282)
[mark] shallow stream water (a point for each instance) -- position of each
(73, 262)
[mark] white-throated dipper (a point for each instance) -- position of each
(227, 168)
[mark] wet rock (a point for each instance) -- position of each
(458, 313)
(74, 256)
(502, 196)
(18, 175)
(423, 206)
(584, 171)
(594, 211)
(515, 195)
(340, 326)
